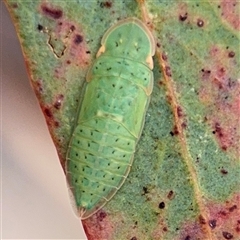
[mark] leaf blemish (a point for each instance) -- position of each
(234, 207)
(52, 12)
(161, 205)
(183, 17)
(133, 238)
(58, 101)
(168, 71)
(164, 56)
(187, 237)
(205, 74)
(106, 4)
(48, 112)
(179, 111)
(231, 54)
(174, 131)
(170, 195)
(223, 171)
(40, 28)
(200, 23)
(202, 220)
(227, 235)
(78, 39)
(212, 223)
(101, 215)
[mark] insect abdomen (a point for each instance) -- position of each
(98, 161)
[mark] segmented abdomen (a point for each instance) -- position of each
(99, 159)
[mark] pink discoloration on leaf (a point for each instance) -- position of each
(51, 109)
(161, 228)
(75, 45)
(66, 39)
(99, 223)
(76, 52)
(222, 95)
(49, 115)
(230, 13)
(225, 218)
(193, 230)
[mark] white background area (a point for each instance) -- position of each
(34, 195)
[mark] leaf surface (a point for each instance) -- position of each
(184, 183)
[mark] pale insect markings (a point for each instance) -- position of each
(111, 117)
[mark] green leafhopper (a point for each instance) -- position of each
(111, 117)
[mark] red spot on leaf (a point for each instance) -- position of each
(40, 27)
(212, 223)
(133, 238)
(48, 112)
(72, 28)
(183, 17)
(78, 39)
(182, 12)
(234, 207)
(170, 195)
(14, 5)
(200, 23)
(101, 215)
(202, 220)
(218, 130)
(56, 124)
(205, 74)
(106, 4)
(223, 171)
(51, 11)
(165, 229)
(164, 56)
(38, 89)
(160, 83)
(174, 131)
(168, 71)
(231, 54)
(179, 111)
(161, 205)
(184, 124)
(58, 101)
(227, 235)
(223, 213)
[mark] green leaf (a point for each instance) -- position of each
(184, 183)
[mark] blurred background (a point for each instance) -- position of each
(34, 195)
